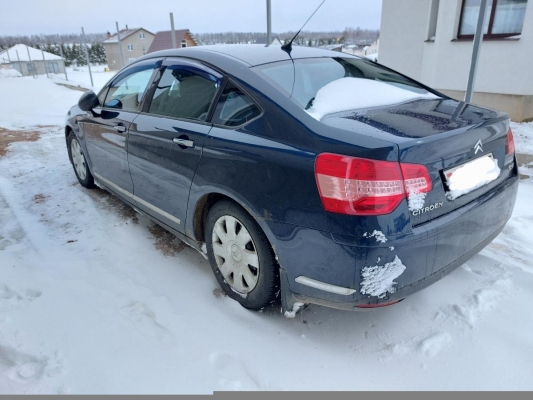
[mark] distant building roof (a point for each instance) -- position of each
(163, 40)
(263, 40)
(22, 50)
(124, 33)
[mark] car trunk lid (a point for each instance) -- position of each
(443, 135)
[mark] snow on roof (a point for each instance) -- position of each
(124, 33)
(373, 56)
(22, 50)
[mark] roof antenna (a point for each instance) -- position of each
(288, 46)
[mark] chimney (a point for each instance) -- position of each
(127, 27)
(108, 34)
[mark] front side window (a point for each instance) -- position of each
(184, 93)
(126, 92)
(503, 18)
(234, 107)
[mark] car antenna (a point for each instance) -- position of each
(287, 47)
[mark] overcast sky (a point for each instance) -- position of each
(27, 17)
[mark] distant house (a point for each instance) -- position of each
(163, 40)
(29, 61)
(135, 43)
(263, 40)
(333, 47)
(432, 42)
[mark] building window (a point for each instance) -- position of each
(503, 18)
(130, 47)
(31, 67)
(141, 35)
(183, 43)
(144, 50)
(433, 17)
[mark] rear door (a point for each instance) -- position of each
(106, 129)
(166, 140)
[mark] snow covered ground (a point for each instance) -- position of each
(95, 299)
(76, 76)
(79, 76)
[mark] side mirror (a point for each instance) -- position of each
(88, 101)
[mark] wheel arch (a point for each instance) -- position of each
(206, 201)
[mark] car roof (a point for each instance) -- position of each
(252, 54)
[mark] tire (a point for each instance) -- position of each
(244, 265)
(77, 159)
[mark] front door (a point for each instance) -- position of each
(165, 141)
(106, 130)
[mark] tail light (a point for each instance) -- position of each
(359, 186)
(510, 149)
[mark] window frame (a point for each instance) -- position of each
(128, 70)
(247, 93)
(489, 35)
(142, 35)
(129, 47)
(176, 61)
(183, 42)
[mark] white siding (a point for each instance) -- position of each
(506, 66)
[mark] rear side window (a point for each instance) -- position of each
(234, 108)
(183, 93)
(126, 93)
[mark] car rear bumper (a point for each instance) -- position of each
(432, 251)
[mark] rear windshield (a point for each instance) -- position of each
(306, 77)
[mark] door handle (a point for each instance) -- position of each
(183, 142)
(120, 128)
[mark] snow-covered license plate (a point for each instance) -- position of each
(471, 175)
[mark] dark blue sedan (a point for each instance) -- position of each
(317, 177)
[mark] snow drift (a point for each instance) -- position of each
(9, 73)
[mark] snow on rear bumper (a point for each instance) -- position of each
(429, 253)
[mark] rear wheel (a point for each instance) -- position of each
(81, 169)
(241, 256)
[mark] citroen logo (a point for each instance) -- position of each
(478, 147)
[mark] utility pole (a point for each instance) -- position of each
(31, 62)
(475, 52)
(174, 45)
(87, 55)
(120, 47)
(269, 23)
(20, 65)
(44, 62)
(64, 63)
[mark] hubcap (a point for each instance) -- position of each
(78, 159)
(235, 254)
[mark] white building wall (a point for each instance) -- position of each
(402, 35)
(506, 66)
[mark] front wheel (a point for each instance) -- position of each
(81, 169)
(241, 256)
